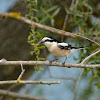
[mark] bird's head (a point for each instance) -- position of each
(48, 41)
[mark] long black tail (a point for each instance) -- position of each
(79, 47)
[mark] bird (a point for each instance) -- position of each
(59, 49)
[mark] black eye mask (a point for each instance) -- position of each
(53, 40)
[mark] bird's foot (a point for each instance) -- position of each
(63, 64)
(50, 62)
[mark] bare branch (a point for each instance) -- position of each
(48, 28)
(46, 63)
(21, 74)
(20, 96)
(29, 82)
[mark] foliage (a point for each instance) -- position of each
(81, 19)
(34, 36)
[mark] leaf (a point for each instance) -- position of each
(91, 79)
(56, 12)
(31, 52)
(52, 8)
(38, 68)
(67, 10)
(38, 53)
(88, 6)
(44, 19)
(35, 10)
(46, 13)
(87, 71)
(36, 19)
(52, 22)
(41, 47)
(41, 59)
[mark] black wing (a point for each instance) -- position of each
(66, 46)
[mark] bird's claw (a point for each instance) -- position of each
(50, 62)
(63, 63)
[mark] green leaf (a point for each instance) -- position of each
(44, 19)
(46, 13)
(35, 10)
(41, 59)
(38, 52)
(85, 72)
(67, 10)
(52, 22)
(31, 52)
(56, 12)
(88, 6)
(52, 8)
(41, 47)
(36, 19)
(91, 79)
(38, 68)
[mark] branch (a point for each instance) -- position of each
(47, 63)
(48, 28)
(17, 95)
(28, 82)
(84, 61)
(21, 74)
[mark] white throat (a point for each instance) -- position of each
(49, 44)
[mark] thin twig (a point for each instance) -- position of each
(18, 79)
(20, 96)
(23, 70)
(48, 28)
(84, 61)
(28, 82)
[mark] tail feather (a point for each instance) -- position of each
(77, 48)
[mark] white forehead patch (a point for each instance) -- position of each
(46, 38)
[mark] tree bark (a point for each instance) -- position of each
(14, 45)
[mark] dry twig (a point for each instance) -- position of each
(21, 74)
(28, 82)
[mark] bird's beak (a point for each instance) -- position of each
(41, 42)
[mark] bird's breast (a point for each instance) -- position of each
(56, 51)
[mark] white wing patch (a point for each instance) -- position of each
(63, 44)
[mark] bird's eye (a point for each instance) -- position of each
(47, 40)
